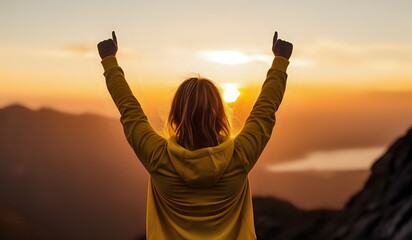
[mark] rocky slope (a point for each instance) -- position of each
(381, 210)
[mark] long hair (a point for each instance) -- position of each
(197, 115)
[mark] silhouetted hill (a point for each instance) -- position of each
(65, 176)
(13, 226)
(381, 210)
(71, 175)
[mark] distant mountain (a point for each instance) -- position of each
(72, 176)
(65, 176)
(381, 210)
(13, 226)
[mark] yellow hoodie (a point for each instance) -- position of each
(205, 193)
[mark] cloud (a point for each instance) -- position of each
(232, 57)
(72, 50)
(83, 51)
(335, 52)
(334, 61)
(338, 160)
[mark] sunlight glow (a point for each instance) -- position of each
(231, 94)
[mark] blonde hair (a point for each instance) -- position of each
(197, 116)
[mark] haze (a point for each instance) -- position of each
(349, 83)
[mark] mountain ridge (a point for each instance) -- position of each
(79, 173)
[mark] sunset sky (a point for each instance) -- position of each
(352, 58)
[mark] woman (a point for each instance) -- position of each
(198, 187)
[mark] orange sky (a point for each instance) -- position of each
(351, 62)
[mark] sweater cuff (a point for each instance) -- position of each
(109, 62)
(280, 63)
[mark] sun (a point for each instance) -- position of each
(231, 94)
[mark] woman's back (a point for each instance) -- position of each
(198, 193)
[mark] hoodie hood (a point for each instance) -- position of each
(202, 167)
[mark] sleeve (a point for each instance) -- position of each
(257, 130)
(146, 143)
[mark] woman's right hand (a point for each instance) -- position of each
(281, 48)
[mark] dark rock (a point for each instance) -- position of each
(381, 210)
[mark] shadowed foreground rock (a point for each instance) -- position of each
(382, 210)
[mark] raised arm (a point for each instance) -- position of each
(257, 130)
(145, 142)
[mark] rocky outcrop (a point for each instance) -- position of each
(382, 210)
